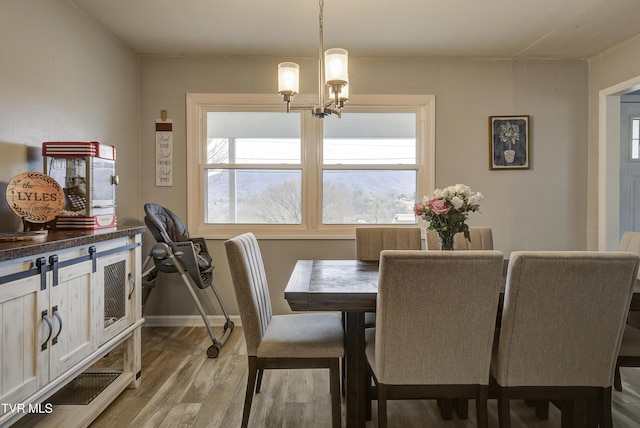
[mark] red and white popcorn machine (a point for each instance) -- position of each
(86, 173)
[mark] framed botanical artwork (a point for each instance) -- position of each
(508, 142)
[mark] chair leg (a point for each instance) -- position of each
(259, 382)
(382, 406)
(567, 413)
(334, 386)
(504, 410)
(617, 381)
(542, 410)
(482, 413)
(461, 407)
(344, 359)
(593, 412)
(248, 397)
(369, 392)
(605, 406)
(446, 408)
(343, 376)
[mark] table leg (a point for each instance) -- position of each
(356, 370)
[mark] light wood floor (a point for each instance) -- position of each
(181, 387)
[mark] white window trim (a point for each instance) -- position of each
(311, 228)
(631, 139)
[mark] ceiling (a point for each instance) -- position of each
(369, 28)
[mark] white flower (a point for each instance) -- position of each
(475, 198)
(457, 202)
(458, 189)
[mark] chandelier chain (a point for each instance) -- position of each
(321, 56)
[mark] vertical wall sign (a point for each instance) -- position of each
(164, 151)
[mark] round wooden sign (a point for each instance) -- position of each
(35, 197)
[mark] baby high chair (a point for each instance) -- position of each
(176, 252)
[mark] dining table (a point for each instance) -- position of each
(350, 287)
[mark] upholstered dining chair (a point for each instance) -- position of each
(481, 239)
(629, 355)
(290, 341)
(436, 314)
(562, 322)
(370, 241)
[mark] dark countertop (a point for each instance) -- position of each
(62, 239)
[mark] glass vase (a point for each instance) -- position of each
(446, 241)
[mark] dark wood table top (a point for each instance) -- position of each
(347, 285)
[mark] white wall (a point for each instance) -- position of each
(63, 78)
(541, 208)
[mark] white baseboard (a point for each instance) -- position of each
(188, 320)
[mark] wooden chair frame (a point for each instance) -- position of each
(257, 366)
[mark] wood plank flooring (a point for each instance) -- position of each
(181, 387)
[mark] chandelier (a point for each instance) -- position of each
(333, 74)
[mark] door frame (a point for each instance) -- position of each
(609, 162)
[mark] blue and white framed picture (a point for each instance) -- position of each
(508, 142)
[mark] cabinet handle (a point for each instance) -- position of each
(56, 313)
(45, 318)
(53, 262)
(133, 285)
(41, 265)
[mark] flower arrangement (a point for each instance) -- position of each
(447, 212)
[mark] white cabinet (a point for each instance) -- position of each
(61, 311)
(70, 297)
(116, 280)
(20, 351)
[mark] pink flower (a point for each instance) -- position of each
(438, 206)
(429, 202)
(419, 209)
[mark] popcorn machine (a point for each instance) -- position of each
(86, 173)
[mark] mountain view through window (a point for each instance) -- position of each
(256, 173)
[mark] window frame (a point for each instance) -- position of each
(632, 140)
(311, 227)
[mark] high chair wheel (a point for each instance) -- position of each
(213, 350)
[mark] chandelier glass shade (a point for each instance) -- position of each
(333, 74)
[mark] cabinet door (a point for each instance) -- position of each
(70, 306)
(24, 330)
(115, 283)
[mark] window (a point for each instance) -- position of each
(253, 159)
(257, 168)
(635, 138)
(369, 168)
